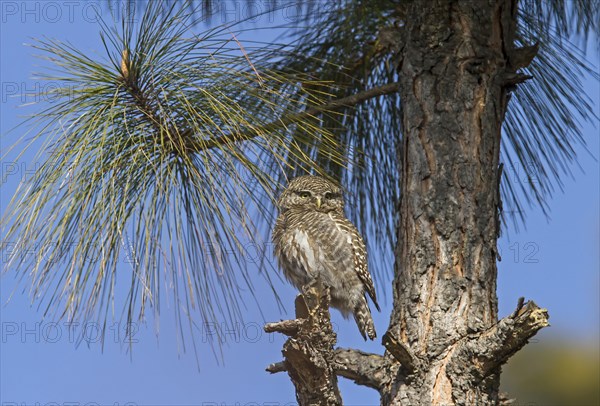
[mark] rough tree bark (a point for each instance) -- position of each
(444, 344)
(309, 354)
(455, 69)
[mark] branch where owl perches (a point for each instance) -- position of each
(308, 353)
(310, 358)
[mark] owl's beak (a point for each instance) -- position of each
(318, 202)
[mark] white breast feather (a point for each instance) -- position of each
(301, 240)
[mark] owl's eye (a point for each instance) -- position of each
(329, 195)
(303, 194)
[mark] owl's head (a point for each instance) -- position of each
(312, 193)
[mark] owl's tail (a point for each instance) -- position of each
(364, 320)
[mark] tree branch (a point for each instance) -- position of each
(308, 354)
(363, 368)
(487, 351)
(518, 58)
(287, 327)
(349, 101)
(521, 57)
(276, 367)
(372, 370)
(400, 352)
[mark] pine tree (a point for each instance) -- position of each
(178, 141)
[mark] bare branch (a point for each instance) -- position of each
(399, 351)
(490, 349)
(363, 368)
(276, 367)
(521, 57)
(512, 79)
(308, 354)
(287, 327)
(372, 370)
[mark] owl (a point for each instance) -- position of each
(313, 238)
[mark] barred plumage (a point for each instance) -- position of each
(313, 237)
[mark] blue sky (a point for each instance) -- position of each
(554, 262)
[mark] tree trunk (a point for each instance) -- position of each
(454, 67)
(445, 345)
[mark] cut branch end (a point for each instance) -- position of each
(490, 349)
(399, 351)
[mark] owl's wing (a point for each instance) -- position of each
(359, 251)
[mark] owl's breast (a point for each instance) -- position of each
(310, 244)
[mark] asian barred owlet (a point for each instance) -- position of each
(313, 237)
